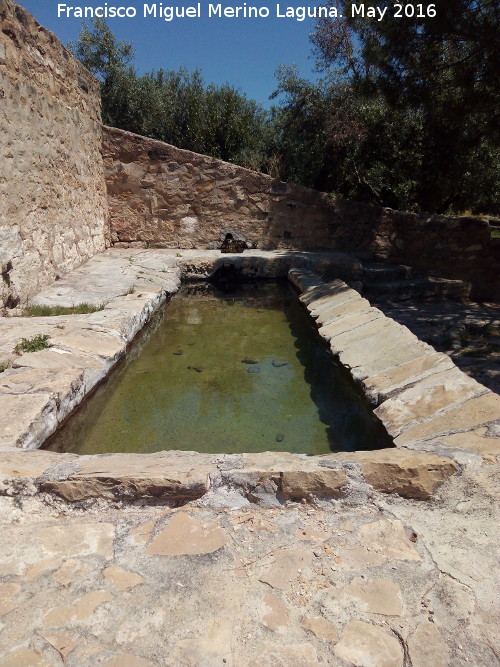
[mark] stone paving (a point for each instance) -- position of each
(372, 559)
(378, 580)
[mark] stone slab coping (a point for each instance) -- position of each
(40, 389)
(423, 400)
(182, 476)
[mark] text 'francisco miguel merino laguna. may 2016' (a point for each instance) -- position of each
(244, 11)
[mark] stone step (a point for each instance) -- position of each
(383, 273)
(419, 289)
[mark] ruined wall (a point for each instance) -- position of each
(167, 197)
(53, 205)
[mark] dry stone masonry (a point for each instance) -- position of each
(163, 196)
(173, 198)
(53, 205)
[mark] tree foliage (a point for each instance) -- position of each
(177, 107)
(407, 112)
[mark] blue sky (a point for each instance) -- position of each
(243, 52)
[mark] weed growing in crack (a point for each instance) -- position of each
(34, 344)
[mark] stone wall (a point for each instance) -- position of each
(174, 198)
(53, 205)
(459, 248)
(162, 196)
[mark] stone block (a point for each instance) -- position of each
(467, 417)
(292, 476)
(385, 338)
(427, 397)
(320, 628)
(390, 359)
(60, 359)
(304, 483)
(394, 380)
(98, 343)
(427, 647)
(185, 535)
(377, 596)
(121, 579)
(366, 645)
(407, 473)
(476, 441)
(29, 464)
(388, 538)
(27, 419)
(344, 331)
(344, 298)
(65, 386)
(327, 314)
(167, 475)
(334, 292)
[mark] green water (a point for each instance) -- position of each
(226, 372)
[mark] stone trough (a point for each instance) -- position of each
(439, 417)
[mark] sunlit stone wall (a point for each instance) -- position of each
(53, 207)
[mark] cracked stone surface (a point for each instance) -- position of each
(365, 645)
(222, 581)
(368, 558)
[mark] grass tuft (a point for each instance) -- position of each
(34, 344)
(51, 311)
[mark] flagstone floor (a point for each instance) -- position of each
(381, 581)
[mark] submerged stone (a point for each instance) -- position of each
(154, 404)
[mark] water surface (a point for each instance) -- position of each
(243, 371)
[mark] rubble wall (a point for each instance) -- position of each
(162, 196)
(53, 207)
